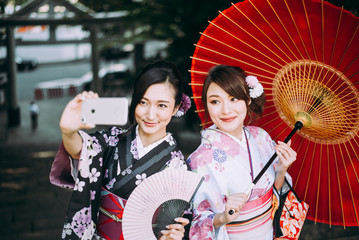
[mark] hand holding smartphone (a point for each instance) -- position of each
(105, 111)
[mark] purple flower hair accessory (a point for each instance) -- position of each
(184, 105)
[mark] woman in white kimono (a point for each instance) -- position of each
(115, 161)
(230, 156)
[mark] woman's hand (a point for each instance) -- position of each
(71, 122)
(175, 231)
(234, 202)
(286, 156)
(71, 119)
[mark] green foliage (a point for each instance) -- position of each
(18, 2)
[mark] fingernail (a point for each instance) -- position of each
(168, 226)
(163, 231)
(177, 219)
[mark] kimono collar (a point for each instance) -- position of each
(239, 141)
(211, 133)
(215, 137)
(144, 150)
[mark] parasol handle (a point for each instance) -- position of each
(297, 126)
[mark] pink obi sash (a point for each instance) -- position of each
(109, 224)
(254, 214)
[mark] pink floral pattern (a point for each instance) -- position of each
(81, 221)
(203, 206)
(177, 161)
(134, 149)
(254, 131)
(224, 163)
(219, 167)
(202, 158)
(200, 231)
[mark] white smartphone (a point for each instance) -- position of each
(105, 111)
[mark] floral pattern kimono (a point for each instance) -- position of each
(109, 159)
(228, 168)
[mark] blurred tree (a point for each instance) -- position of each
(3, 4)
(18, 2)
(177, 21)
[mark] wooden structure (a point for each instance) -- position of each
(74, 14)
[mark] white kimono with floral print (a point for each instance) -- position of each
(224, 162)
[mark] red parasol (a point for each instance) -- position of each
(305, 53)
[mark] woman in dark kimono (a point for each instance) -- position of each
(116, 161)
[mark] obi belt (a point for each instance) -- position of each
(255, 219)
(109, 225)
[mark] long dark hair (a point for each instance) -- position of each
(158, 72)
(233, 81)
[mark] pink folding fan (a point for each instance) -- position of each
(157, 201)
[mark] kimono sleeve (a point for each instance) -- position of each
(64, 169)
(177, 161)
(206, 204)
(60, 174)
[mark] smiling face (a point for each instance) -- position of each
(154, 112)
(227, 112)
